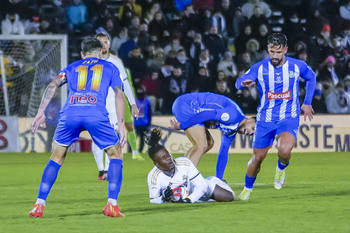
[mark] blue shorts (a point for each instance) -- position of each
(101, 131)
(182, 110)
(266, 132)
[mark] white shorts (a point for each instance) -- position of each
(212, 181)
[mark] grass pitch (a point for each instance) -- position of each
(316, 197)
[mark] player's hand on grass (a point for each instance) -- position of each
(308, 111)
(39, 119)
(135, 111)
(167, 193)
(186, 200)
(174, 124)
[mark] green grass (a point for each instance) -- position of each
(316, 197)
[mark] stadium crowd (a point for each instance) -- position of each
(178, 46)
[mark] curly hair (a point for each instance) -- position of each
(153, 142)
(277, 39)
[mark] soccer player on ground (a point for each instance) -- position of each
(110, 105)
(278, 115)
(169, 172)
(88, 82)
(196, 112)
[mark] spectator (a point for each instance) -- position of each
(12, 25)
(166, 70)
(244, 62)
(257, 19)
(215, 43)
(157, 25)
(262, 37)
(137, 65)
(127, 10)
(149, 15)
(207, 61)
(171, 49)
(244, 36)
(252, 47)
(202, 81)
(228, 66)
(323, 41)
(247, 102)
(119, 39)
(318, 101)
(144, 36)
(154, 85)
(338, 51)
(338, 101)
(328, 71)
(294, 29)
(157, 61)
(144, 119)
(248, 8)
(196, 46)
(77, 14)
(221, 85)
(175, 86)
(128, 45)
(226, 9)
(109, 27)
(315, 22)
(32, 24)
(186, 64)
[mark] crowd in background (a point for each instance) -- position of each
(177, 46)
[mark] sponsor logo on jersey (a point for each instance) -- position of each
(83, 99)
(279, 96)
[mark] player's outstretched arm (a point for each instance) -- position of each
(48, 94)
(308, 111)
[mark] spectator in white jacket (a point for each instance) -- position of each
(11, 25)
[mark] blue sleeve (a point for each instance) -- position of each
(309, 75)
(199, 118)
(251, 74)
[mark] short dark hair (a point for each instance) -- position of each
(90, 44)
(277, 39)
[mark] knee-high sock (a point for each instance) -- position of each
(132, 140)
(98, 154)
(115, 178)
(223, 156)
(48, 179)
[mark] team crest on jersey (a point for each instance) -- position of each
(291, 74)
(225, 116)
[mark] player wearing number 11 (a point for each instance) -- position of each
(88, 82)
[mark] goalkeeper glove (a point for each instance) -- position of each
(186, 200)
(167, 193)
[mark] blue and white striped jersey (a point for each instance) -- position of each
(279, 88)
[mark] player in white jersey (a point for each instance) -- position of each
(277, 79)
(180, 171)
(110, 105)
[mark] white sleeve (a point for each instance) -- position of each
(128, 92)
(154, 187)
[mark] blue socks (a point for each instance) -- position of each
(115, 178)
(281, 166)
(249, 181)
(48, 179)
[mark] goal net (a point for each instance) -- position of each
(28, 64)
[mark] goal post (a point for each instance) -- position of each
(28, 64)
